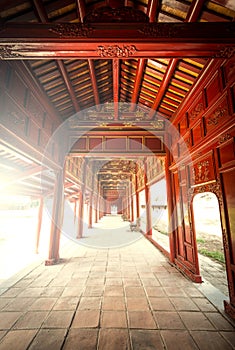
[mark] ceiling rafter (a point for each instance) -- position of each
(192, 16)
(41, 13)
(81, 9)
(23, 175)
(151, 12)
(116, 77)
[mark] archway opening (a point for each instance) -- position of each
(207, 223)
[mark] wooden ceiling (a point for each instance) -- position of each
(157, 85)
(73, 85)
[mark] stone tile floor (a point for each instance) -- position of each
(114, 299)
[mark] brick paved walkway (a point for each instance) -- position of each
(114, 299)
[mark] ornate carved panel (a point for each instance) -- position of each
(213, 88)
(203, 170)
(196, 109)
(217, 116)
(118, 51)
(71, 30)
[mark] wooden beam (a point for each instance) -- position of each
(193, 13)
(138, 79)
(81, 13)
(68, 84)
(94, 82)
(195, 10)
(151, 13)
(21, 176)
(81, 9)
(117, 40)
(152, 9)
(41, 13)
(116, 68)
(165, 82)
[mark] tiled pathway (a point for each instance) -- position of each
(114, 299)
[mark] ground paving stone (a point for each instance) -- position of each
(8, 319)
(146, 339)
(141, 320)
(168, 320)
(31, 320)
(58, 319)
(113, 303)
(178, 340)
(17, 339)
(86, 319)
(207, 340)
(48, 339)
(82, 339)
(139, 302)
(115, 339)
(113, 319)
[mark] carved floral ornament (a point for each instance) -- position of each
(202, 171)
(224, 138)
(217, 115)
(8, 51)
(155, 30)
(212, 186)
(68, 30)
(225, 52)
(196, 111)
(116, 51)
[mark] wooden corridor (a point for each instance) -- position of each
(103, 99)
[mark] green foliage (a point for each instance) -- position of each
(200, 240)
(214, 255)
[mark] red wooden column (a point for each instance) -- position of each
(75, 209)
(100, 203)
(81, 202)
(132, 200)
(137, 196)
(91, 199)
(90, 211)
(96, 209)
(39, 224)
(148, 202)
(170, 207)
(57, 219)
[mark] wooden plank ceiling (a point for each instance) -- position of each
(73, 85)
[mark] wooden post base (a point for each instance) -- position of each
(229, 309)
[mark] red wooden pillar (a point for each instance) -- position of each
(81, 202)
(170, 207)
(90, 211)
(128, 202)
(148, 202)
(137, 196)
(39, 224)
(100, 204)
(75, 209)
(80, 214)
(96, 209)
(57, 219)
(131, 199)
